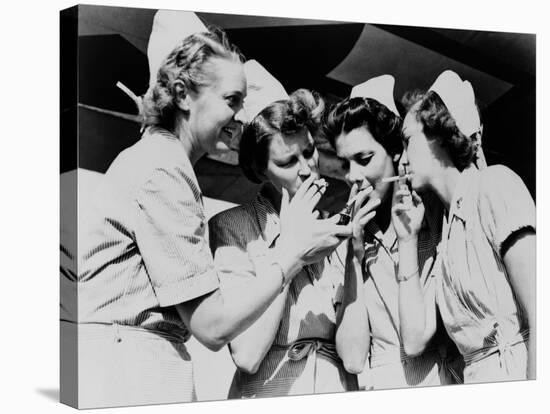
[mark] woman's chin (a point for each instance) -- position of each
(221, 147)
(418, 186)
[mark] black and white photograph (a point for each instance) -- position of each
(274, 206)
(258, 206)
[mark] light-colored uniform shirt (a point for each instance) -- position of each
(475, 297)
(302, 358)
(146, 251)
(390, 367)
(148, 248)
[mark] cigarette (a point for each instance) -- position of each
(354, 199)
(395, 178)
(320, 183)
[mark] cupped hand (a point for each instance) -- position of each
(303, 236)
(363, 212)
(407, 212)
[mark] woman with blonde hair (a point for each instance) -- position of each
(147, 280)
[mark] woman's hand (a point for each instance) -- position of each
(362, 213)
(304, 238)
(407, 211)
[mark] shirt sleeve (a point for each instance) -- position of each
(505, 205)
(230, 238)
(170, 235)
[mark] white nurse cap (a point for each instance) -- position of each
(458, 97)
(170, 27)
(379, 88)
(262, 89)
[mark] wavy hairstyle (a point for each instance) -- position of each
(352, 113)
(438, 124)
(185, 63)
(303, 109)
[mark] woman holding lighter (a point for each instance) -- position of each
(293, 348)
(147, 280)
(486, 294)
(365, 130)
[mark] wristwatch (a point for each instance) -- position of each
(283, 278)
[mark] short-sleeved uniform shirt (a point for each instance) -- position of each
(147, 249)
(390, 367)
(475, 297)
(241, 239)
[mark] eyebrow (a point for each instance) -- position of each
(234, 93)
(289, 155)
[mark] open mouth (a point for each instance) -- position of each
(233, 133)
(228, 130)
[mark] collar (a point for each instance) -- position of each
(431, 224)
(155, 130)
(269, 223)
(374, 235)
(464, 187)
(267, 217)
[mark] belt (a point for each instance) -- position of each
(305, 347)
(102, 330)
(500, 345)
(310, 348)
(437, 355)
(398, 356)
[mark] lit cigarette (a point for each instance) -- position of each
(320, 183)
(395, 178)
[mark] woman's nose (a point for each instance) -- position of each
(353, 175)
(305, 167)
(240, 116)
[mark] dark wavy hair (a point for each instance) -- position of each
(352, 113)
(438, 124)
(185, 63)
(303, 109)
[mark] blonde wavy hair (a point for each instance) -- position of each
(185, 63)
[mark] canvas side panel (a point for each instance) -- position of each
(68, 206)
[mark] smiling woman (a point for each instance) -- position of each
(215, 108)
(147, 280)
(204, 106)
